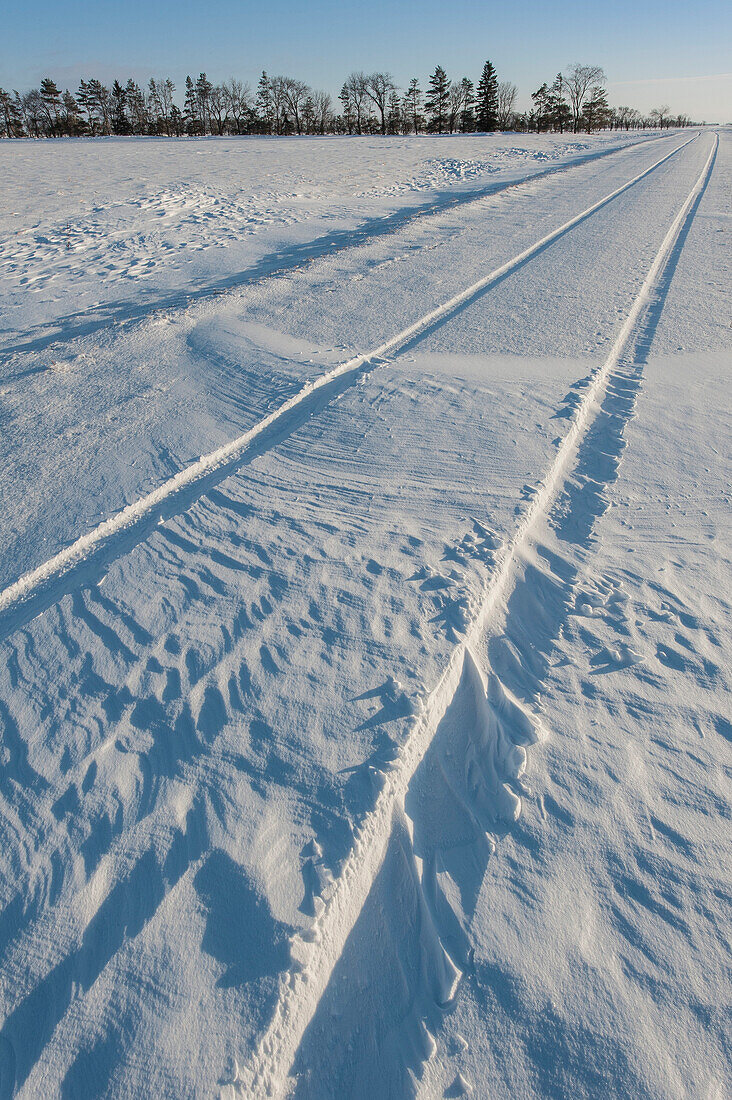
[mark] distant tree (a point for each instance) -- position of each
(280, 119)
(204, 88)
(558, 108)
(72, 122)
(577, 82)
(378, 88)
(120, 121)
(155, 107)
(218, 109)
(137, 111)
(467, 106)
(295, 94)
(51, 99)
(308, 114)
(541, 107)
(238, 98)
(166, 90)
(437, 101)
(507, 93)
(263, 105)
(177, 124)
(487, 100)
(394, 119)
(11, 119)
(323, 108)
(18, 111)
(34, 112)
(660, 115)
(454, 106)
(82, 98)
(359, 97)
(595, 113)
(98, 106)
(190, 108)
(413, 105)
(625, 117)
(349, 114)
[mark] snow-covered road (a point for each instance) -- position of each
(259, 815)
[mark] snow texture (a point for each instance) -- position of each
(364, 617)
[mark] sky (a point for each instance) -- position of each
(654, 51)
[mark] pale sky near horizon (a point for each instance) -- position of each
(656, 52)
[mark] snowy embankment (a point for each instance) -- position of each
(384, 755)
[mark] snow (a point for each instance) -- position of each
(365, 699)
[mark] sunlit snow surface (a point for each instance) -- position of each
(198, 719)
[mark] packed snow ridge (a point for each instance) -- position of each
(364, 691)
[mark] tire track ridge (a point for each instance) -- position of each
(180, 491)
(276, 264)
(266, 1072)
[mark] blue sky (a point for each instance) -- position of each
(653, 52)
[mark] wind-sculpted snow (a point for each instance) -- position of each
(390, 761)
(169, 219)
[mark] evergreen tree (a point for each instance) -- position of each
(264, 105)
(51, 97)
(541, 107)
(438, 100)
(558, 108)
(73, 124)
(190, 108)
(120, 122)
(487, 99)
(413, 105)
(154, 106)
(136, 108)
(100, 105)
(349, 116)
(84, 101)
(177, 125)
(10, 117)
(204, 88)
(394, 114)
(308, 114)
(595, 113)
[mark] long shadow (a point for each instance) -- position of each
(123, 312)
(655, 309)
(91, 568)
(424, 333)
(121, 542)
(127, 909)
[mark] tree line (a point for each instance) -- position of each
(368, 103)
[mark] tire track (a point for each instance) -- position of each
(267, 1071)
(296, 257)
(82, 560)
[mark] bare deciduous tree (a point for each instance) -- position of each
(295, 93)
(660, 115)
(378, 87)
(578, 80)
(323, 111)
(507, 93)
(238, 98)
(356, 87)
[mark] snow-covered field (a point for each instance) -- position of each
(365, 617)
